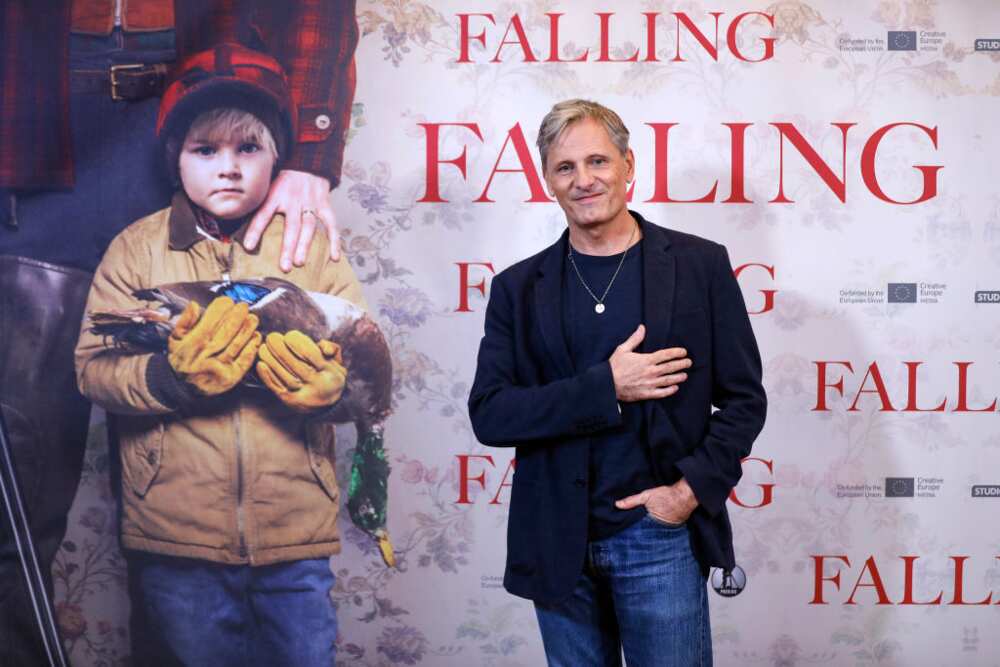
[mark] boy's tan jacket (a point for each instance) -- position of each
(237, 478)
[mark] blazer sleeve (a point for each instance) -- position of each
(506, 412)
(714, 467)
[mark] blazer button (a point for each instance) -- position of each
(579, 482)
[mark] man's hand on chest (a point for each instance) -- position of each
(639, 376)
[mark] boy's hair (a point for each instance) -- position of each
(218, 124)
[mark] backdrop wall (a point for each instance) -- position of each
(845, 155)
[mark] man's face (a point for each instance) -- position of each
(587, 173)
(229, 176)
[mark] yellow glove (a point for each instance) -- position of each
(213, 353)
(304, 374)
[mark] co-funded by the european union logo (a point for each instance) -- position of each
(902, 40)
(902, 293)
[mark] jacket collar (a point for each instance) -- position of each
(183, 224)
(658, 274)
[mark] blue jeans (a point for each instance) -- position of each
(641, 592)
(203, 613)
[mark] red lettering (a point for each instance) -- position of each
(819, 578)
(876, 583)
(605, 56)
(522, 41)
(733, 43)
(464, 37)
(822, 385)
(908, 584)
(515, 136)
(839, 186)
(911, 390)
(768, 293)
(711, 47)
(503, 482)
(651, 56)
(464, 286)
(767, 490)
(963, 390)
(432, 193)
(661, 132)
(876, 376)
(737, 193)
(464, 478)
(929, 172)
(960, 584)
(554, 42)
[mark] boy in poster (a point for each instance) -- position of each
(229, 507)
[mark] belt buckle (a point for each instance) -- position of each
(115, 69)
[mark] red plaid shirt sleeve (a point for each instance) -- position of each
(314, 40)
(35, 141)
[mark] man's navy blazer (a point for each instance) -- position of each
(528, 394)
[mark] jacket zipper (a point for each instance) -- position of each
(240, 519)
(227, 266)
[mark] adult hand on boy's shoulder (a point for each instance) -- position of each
(304, 374)
(304, 198)
(213, 351)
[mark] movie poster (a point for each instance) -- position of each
(840, 151)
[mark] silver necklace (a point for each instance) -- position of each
(599, 303)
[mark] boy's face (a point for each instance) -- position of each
(228, 176)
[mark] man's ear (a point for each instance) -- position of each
(629, 165)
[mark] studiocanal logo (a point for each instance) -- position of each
(988, 296)
(988, 45)
(986, 491)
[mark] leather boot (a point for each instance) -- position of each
(41, 307)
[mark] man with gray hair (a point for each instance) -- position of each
(618, 501)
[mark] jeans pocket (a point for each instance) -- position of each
(665, 524)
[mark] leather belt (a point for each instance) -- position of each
(122, 82)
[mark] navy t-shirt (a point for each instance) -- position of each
(619, 458)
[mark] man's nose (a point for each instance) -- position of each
(584, 178)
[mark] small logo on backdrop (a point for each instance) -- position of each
(899, 487)
(988, 45)
(902, 40)
(986, 491)
(988, 296)
(729, 583)
(902, 293)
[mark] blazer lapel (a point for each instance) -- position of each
(659, 281)
(548, 306)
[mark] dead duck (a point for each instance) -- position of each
(282, 306)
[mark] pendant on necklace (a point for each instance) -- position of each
(599, 308)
